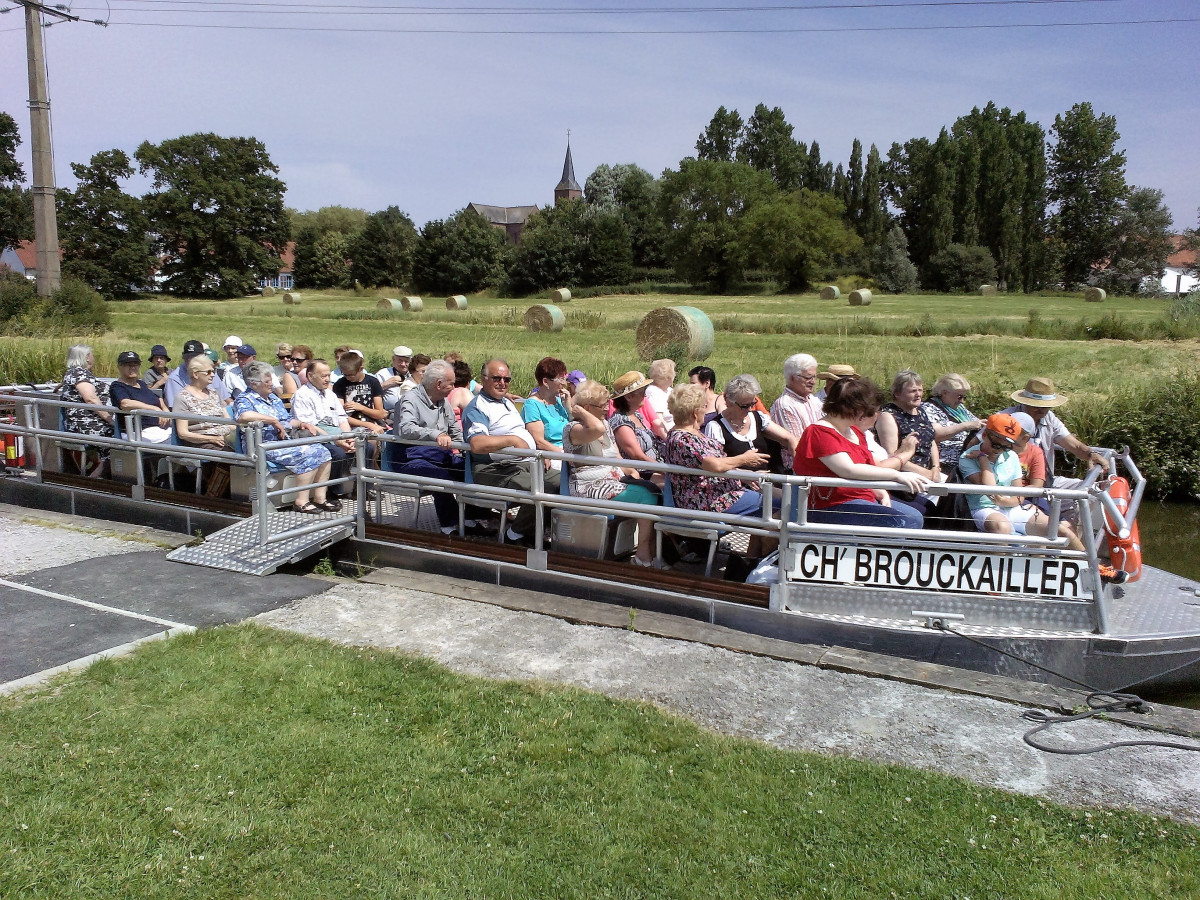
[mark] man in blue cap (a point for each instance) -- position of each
(235, 378)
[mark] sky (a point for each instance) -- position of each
(373, 103)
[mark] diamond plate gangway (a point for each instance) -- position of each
(272, 537)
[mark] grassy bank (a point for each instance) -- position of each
(242, 762)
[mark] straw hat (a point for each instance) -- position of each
(833, 373)
(628, 383)
(1039, 392)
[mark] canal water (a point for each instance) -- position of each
(1170, 535)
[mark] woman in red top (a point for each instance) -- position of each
(835, 447)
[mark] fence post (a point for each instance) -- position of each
(260, 482)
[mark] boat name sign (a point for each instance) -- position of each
(943, 570)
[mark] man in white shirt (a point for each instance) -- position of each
(797, 407)
(1038, 400)
(316, 404)
(395, 379)
(235, 378)
(231, 347)
(491, 423)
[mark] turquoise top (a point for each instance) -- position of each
(555, 418)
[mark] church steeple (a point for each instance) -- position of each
(568, 188)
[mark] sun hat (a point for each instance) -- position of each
(834, 373)
(398, 351)
(246, 350)
(628, 383)
(129, 356)
(1003, 426)
(159, 350)
(1039, 392)
(1025, 420)
(576, 377)
(232, 341)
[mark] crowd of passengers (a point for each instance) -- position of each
(847, 430)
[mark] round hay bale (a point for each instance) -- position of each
(672, 328)
(388, 304)
(412, 304)
(544, 317)
(860, 298)
(268, 291)
(458, 301)
(291, 298)
(987, 290)
(830, 292)
(562, 295)
(1094, 295)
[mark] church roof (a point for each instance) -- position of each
(504, 215)
(568, 182)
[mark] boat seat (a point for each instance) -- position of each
(242, 484)
(710, 533)
(593, 535)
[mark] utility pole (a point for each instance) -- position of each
(45, 222)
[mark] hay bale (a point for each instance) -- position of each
(268, 291)
(830, 292)
(1094, 295)
(458, 301)
(670, 328)
(291, 298)
(388, 304)
(987, 290)
(562, 295)
(412, 304)
(860, 298)
(544, 317)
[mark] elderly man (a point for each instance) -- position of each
(1039, 400)
(797, 407)
(424, 415)
(316, 404)
(396, 380)
(235, 377)
(179, 378)
(492, 424)
(231, 347)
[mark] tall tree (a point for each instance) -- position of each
(16, 207)
(633, 192)
(462, 254)
(767, 145)
(1086, 185)
(852, 199)
(703, 205)
(381, 252)
(321, 269)
(103, 231)
(1142, 243)
(796, 236)
(216, 209)
(720, 139)
(343, 219)
(871, 217)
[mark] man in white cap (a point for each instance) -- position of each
(230, 347)
(396, 380)
(1038, 400)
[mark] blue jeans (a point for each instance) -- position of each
(749, 504)
(868, 513)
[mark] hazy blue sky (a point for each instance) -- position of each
(430, 122)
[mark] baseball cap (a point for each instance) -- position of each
(357, 353)
(1025, 420)
(396, 351)
(129, 356)
(576, 377)
(212, 354)
(159, 350)
(1005, 427)
(232, 341)
(192, 348)
(246, 350)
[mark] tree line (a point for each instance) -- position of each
(993, 198)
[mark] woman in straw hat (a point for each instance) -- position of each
(634, 436)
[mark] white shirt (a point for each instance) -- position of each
(657, 398)
(319, 407)
(392, 395)
(485, 416)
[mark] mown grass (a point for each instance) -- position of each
(242, 762)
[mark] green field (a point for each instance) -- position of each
(981, 337)
(241, 762)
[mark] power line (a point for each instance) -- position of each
(664, 31)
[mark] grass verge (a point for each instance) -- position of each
(242, 762)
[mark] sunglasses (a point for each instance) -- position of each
(297, 359)
(503, 379)
(749, 405)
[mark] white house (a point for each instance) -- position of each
(1179, 275)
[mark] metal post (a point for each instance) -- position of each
(261, 500)
(1099, 602)
(361, 490)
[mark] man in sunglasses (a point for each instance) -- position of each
(491, 423)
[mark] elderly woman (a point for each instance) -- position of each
(545, 412)
(688, 446)
(634, 436)
(79, 385)
(904, 415)
(200, 399)
(836, 447)
(309, 463)
(129, 392)
(952, 421)
(591, 435)
(741, 427)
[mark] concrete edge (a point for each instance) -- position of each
(42, 678)
(121, 531)
(1175, 720)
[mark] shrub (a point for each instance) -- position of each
(890, 266)
(17, 295)
(80, 309)
(960, 269)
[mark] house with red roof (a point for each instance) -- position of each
(285, 280)
(1180, 272)
(21, 259)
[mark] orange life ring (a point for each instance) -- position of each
(1125, 553)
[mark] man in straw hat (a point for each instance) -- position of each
(832, 374)
(1038, 400)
